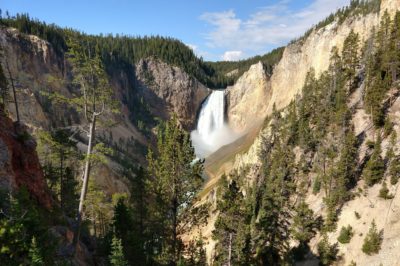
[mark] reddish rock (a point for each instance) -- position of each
(19, 163)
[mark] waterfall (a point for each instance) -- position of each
(211, 132)
(211, 116)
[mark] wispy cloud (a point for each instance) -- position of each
(269, 26)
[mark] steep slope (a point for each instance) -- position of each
(286, 83)
(19, 163)
(168, 89)
(251, 89)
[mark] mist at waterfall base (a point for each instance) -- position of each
(212, 132)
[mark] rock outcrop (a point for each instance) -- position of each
(247, 98)
(168, 89)
(19, 163)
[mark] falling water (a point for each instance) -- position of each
(212, 132)
(211, 116)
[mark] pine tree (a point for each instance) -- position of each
(232, 232)
(272, 228)
(372, 241)
(345, 235)
(375, 166)
(93, 99)
(304, 223)
(346, 168)
(350, 57)
(304, 226)
(175, 177)
(117, 254)
(384, 192)
(59, 154)
(36, 258)
(393, 159)
(327, 252)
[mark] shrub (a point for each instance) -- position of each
(357, 215)
(384, 192)
(317, 186)
(346, 233)
(327, 252)
(372, 241)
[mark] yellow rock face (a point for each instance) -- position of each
(246, 100)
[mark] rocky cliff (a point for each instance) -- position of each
(168, 89)
(247, 98)
(19, 163)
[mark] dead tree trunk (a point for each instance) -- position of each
(14, 91)
(85, 184)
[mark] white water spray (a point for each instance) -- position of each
(212, 132)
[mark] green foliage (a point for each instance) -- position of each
(117, 255)
(304, 224)
(346, 168)
(350, 57)
(219, 70)
(316, 186)
(35, 254)
(23, 231)
(175, 178)
(384, 192)
(372, 241)
(393, 159)
(59, 156)
(327, 252)
(382, 67)
(375, 167)
(127, 229)
(232, 229)
(345, 235)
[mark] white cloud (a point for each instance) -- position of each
(232, 55)
(192, 46)
(270, 26)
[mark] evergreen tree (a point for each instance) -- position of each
(327, 252)
(59, 154)
(372, 241)
(350, 57)
(195, 253)
(231, 228)
(304, 225)
(93, 99)
(384, 192)
(34, 254)
(175, 178)
(375, 166)
(346, 168)
(117, 254)
(393, 159)
(345, 235)
(272, 208)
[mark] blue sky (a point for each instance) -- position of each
(214, 29)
